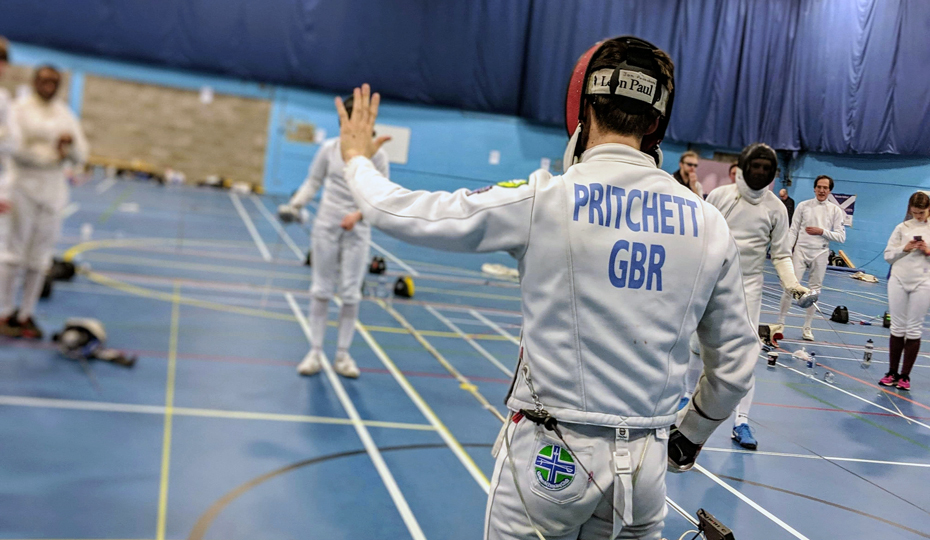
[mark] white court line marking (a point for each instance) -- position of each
(262, 248)
(858, 360)
(494, 326)
(838, 389)
(277, 227)
(106, 184)
(425, 410)
(391, 256)
(851, 348)
(750, 502)
(384, 252)
(102, 406)
(470, 341)
(399, 501)
(69, 210)
(810, 456)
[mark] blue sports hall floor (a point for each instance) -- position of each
(213, 435)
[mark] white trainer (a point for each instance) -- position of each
(345, 366)
(807, 335)
(311, 364)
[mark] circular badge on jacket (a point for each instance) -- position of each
(554, 467)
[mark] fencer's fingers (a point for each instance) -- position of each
(366, 99)
(356, 103)
(379, 142)
(341, 111)
(373, 109)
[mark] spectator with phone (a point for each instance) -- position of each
(908, 289)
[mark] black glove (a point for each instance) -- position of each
(682, 453)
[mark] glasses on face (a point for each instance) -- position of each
(692, 165)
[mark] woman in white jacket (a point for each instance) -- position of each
(908, 289)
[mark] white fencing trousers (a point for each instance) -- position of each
(908, 306)
(817, 266)
(34, 230)
(752, 287)
(563, 503)
(339, 260)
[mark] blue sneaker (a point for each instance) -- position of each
(742, 434)
(684, 402)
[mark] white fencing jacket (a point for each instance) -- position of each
(758, 221)
(913, 268)
(40, 173)
(619, 264)
(813, 213)
(9, 142)
(328, 167)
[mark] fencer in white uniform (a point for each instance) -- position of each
(9, 142)
(817, 222)
(340, 247)
(52, 139)
(758, 222)
(595, 246)
(908, 289)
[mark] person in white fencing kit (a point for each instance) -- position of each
(816, 223)
(9, 135)
(758, 222)
(619, 264)
(908, 289)
(340, 248)
(51, 139)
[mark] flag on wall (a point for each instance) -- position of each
(847, 203)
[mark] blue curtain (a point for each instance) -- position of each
(466, 55)
(845, 76)
(838, 77)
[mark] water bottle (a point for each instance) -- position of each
(811, 362)
(383, 291)
(829, 377)
(867, 354)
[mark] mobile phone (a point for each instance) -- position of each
(918, 238)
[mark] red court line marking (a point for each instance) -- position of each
(839, 410)
(875, 386)
(844, 345)
(887, 392)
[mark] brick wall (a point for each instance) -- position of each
(167, 127)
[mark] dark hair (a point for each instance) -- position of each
(732, 166)
(822, 176)
(46, 67)
(607, 114)
(4, 50)
(919, 200)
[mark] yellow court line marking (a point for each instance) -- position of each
(216, 306)
(464, 457)
(470, 294)
(297, 418)
(179, 265)
(169, 405)
(463, 381)
(157, 295)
